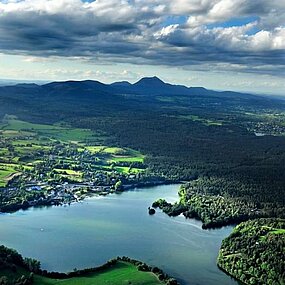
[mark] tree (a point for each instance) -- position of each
(119, 186)
(3, 280)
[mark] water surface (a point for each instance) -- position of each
(87, 234)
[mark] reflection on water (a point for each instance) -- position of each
(89, 233)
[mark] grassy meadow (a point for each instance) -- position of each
(23, 145)
(119, 274)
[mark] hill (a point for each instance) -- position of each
(230, 144)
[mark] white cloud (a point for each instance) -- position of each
(34, 59)
(190, 6)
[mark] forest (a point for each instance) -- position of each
(204, 137)
(216, 201)
(254, 252)
(227, 148)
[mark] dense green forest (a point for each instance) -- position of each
(255, 252)
(204, 135)
(216, 201)
(228, 148)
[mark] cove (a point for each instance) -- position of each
(88, 233)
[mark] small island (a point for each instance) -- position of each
(151, 211)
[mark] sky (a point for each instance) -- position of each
(218, 44)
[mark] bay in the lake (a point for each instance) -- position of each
(89, 233)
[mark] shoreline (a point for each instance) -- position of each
(55, 202)
(145, 186)
(31, 268)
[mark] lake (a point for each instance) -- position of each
(88, 233)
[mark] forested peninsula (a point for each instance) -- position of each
(255, 252)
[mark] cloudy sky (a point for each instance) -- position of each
(218, 44)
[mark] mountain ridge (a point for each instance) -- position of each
(146, 86)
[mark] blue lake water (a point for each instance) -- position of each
(89, 233)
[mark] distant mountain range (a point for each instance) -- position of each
(149, 86)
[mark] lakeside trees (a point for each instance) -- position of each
(254, 252)
(214, 202)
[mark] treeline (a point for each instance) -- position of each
(25, 268)
(11, 260)
(181, 149)
(162, 276)
(254, 252)
(141, 266)
(16, 199)
(218, 202)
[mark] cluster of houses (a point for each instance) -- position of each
(268, 128)
(65, 192)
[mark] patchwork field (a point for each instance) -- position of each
(25, 146)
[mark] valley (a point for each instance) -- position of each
(142, 142)
(52, 164)
(227, 148)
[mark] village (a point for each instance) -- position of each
(52, 165)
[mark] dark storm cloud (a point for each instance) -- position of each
(133, 31)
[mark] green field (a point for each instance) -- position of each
(120, 274)
(24, 145)
(52, 131)
(6, 171)
(204, 121)
(123, 169)
(117, 154)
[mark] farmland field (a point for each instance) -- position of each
(121, 273)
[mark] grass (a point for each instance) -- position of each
(117, 154)
(278, 232)
(5, 171)
(95, 149)
(69, 172)
(206, 122)
(126, 170)
(28, 138)
(29, 141)
(22, 150)
(57, 132)
(127, 159)
(129, 156)
(114, 150)
(119, 274)
(122, 169)
(272, 231)
(13, 133)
